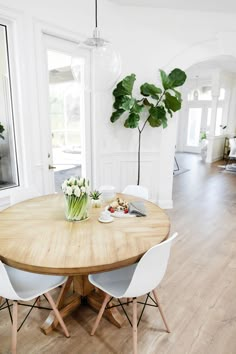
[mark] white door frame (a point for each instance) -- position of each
(71, 40)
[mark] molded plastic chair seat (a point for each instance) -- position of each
(137, 191)
(28, 285)
(115, 282)
(232, 153)
(134, 281)
(17, 285)
(232, 144)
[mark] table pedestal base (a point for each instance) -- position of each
(67, 304)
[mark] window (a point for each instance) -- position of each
(8, 161)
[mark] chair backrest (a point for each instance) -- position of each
(232, 144)
(150, 269)
(137, 191)
(6, 289)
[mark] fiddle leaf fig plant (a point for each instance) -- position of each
(1, 130)
(154, 106)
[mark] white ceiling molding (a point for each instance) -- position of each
(227, 6)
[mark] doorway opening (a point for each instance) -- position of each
(208, 114)
(66, 110)
(68, 136)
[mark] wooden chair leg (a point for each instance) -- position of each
(100, 313)
(14, 328)
(134, 324)
(160, 309)
(57, 314)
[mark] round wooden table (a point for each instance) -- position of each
(36, 237)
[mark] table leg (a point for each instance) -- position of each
(82, 289)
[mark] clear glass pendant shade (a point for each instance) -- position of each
(106, 68)
(105, 62)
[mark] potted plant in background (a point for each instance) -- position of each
(203, 145)
(95, 198)
(1, 130)
(154, 106)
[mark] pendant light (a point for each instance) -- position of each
(96, 40)
(105, 61)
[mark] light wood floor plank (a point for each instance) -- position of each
(197, 293)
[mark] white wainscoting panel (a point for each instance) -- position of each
(120, 169)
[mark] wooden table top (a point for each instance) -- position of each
(35, 236)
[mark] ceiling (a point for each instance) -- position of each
(199, 5)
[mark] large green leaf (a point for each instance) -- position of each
(157, 112)
(116, 115)
(137, 108)
(125, 86)
(165, 80)
(177, 77)
(171, 102)
(155, 123)
(146, 102)
(132, 121)
(150, 90)
(124, 102)
(157, 117)
(177, 94)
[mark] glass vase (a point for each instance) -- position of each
(76, 208)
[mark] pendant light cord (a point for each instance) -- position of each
(96, 14)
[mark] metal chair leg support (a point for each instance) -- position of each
(14, 328)
(135, 329)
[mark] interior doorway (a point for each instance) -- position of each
(208, 114)
(68, 111)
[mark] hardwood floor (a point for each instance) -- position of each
(198, 293)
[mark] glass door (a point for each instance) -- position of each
(194, 128)
(69, 106)
(198, 122)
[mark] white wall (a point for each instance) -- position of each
(147, 39)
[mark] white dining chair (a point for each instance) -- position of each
(133, 281)
(232, 153)
(18, 285)
(137, 191)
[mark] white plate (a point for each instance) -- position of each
(106, 221)
(120, 214)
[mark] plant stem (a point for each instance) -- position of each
(139, 146)
(155, 106)
(140, 130)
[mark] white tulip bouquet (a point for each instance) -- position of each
(76, 191)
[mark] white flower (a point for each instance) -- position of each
(83, 189)
(72, 180)
(77, 191)
(64, 185)
(81, 181)
(69, 190)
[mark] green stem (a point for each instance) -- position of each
(139, 148)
